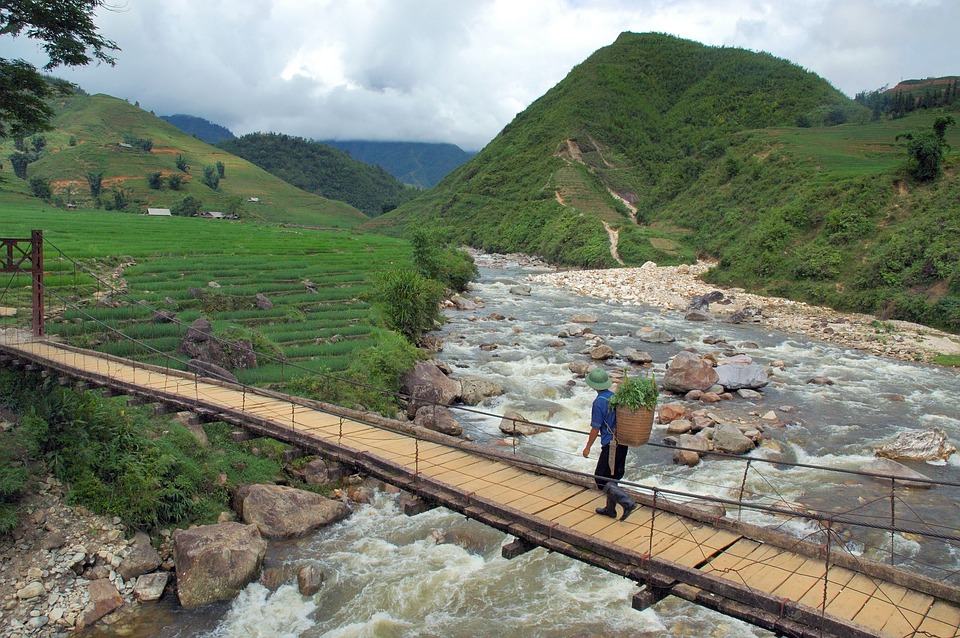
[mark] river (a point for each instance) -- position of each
(440, 574)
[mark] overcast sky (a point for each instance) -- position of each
(459, 70)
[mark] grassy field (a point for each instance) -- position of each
(316, 280)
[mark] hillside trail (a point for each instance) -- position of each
(614, 242)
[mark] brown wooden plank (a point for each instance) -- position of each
(574, 518)
(911, 610)
(593, 524)
(560, 491)
(806, 577)
(529, 503)
(855, 594)
(837, 579)
(772, 572)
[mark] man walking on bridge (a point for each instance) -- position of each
(612, 463)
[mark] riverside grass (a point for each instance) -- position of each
(162, 259)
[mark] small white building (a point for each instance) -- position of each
(255, 200)
(213, 215)
(159, 212)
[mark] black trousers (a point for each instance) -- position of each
(603, 473)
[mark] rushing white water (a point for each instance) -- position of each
(440, 574)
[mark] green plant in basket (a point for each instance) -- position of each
(637, 393)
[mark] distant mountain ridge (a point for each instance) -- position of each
(420, 164)
(202, 129)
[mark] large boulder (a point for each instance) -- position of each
(426, 384)
(210, 370)
(918, 445)
(515, 424)
(438, 419)
(281, 512)
(656, 336)
(215, 562)
(729, 439)
(702, 302)
(899, 471)
(739, 372)
(474, 390)
(687, 372)
(141, 559)
(104, 598)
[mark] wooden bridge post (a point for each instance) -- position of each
(36, 241)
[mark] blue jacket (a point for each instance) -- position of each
(603, 416)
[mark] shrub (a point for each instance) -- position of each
(155, 180)
(40, 187)
(408, 302)
(189, 206)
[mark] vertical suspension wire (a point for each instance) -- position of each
(653, 519)
(826, 575)
(743, 484)
(893, 517)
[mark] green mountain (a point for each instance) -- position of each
(100, 134)
(324, 170)
(200, 128)
(416, 163)
(658, 148)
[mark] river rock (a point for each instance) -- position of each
(739, 372)
(679, 426)
(601, 352)
(671, 411)
(426, 384)
(903, 474)
(462, 303)
(656, 336)
(104, 598)
(262, 302)
(522, 290)
(149, 587)
(636, 356)
(31, 590)
(430, 343)
(583, 319)
(215, 562)
(702, 302)
(141, 559)
(474, 390)
(728, 438)
(515, 424)
(309, 580)
(580, 368)
(281, 512)
(697, 315)
(686, 457)
(918, 445)
(438, 419)
(687, 372)
(746, 393)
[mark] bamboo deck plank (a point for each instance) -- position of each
(573, 518)
(529, 503)
(850, 601)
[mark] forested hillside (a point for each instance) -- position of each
(200, 128)
(416, 163)
(324, 170)
(683, 149)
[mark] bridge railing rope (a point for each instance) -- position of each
(901, 519)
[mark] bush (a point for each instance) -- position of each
(408, 302)
(40, 187)
(189, 206)
(155, 180)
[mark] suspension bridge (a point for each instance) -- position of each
(819, 585)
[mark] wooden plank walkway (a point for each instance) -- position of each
(785, 587)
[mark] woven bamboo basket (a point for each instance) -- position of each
(633, 426)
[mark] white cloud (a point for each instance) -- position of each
(435, 70)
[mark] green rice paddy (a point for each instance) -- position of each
(108, 271)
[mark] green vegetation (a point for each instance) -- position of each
(417, 163)
(98, 124)
(793, 188)
(637, 393)
(324, 170)
(118, 460)
(317, 281)
(947, 360)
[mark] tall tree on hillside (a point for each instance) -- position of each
(95, 180)
(926, 148)
(69, 37)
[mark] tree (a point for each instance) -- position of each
(69, 37)
(221, 169)
(408, 302)
(95, 180)
(40, 187)
(210, 177)
(175, 181)
(19, 163)
(39, 142)
(155, 180)
(189, 206)
(926, 148)
(182, 164)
